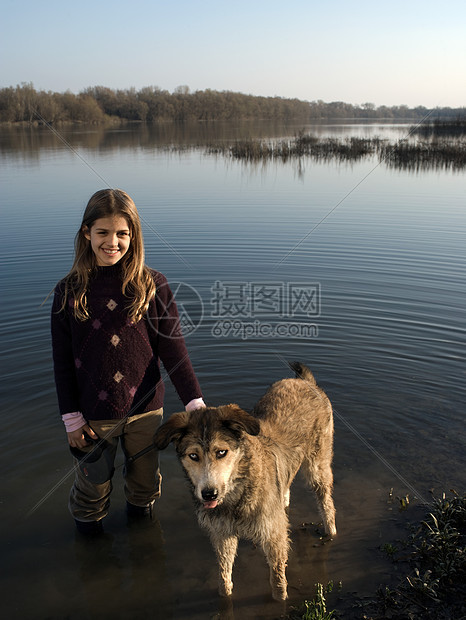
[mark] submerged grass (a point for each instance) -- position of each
(301, 146)
(405, 154)
(422, 155)
(438, 128)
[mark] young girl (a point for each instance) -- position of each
(113, 319)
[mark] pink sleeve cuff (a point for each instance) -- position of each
(73, 421)
(195, 403)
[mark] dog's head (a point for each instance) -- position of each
(209, 444)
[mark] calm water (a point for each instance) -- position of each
(357, 270)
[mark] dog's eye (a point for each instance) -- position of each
(221, 454)
(193, 456)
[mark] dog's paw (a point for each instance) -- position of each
(279, 585)
(279, 594)
(225, 588)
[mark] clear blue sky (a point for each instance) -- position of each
(395, 52)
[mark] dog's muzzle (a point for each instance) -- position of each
(210, 497)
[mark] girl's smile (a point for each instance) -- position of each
(110, 239)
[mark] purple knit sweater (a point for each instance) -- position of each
(107, 367)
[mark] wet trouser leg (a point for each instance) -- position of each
(142, 477)
(89, 501)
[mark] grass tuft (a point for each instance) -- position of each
(317, 608)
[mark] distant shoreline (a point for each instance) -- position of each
(102, 105)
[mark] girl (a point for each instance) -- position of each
(113, 319)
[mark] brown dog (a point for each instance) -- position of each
(241, 467)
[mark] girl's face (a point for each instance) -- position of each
(110, 239)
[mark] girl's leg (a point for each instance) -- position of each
(89, 502)
(143, 479)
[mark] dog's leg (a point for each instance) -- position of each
(225, 548)
(276, 551)
(321, 480)
(327, 509)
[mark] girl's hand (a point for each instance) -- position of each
(76, 439)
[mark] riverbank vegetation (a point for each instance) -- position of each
(99, 104)
(433, 562)
(430, 569)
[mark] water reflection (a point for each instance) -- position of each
(113, 570)
(252, 143)
(28, 141)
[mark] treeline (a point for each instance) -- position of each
(99, 104)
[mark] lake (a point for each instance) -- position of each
(356, 269)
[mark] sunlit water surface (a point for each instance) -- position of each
(357, 270)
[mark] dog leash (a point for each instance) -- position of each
(130, 459)
(99, 444)
(145, 450)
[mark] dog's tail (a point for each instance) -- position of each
(302, 372)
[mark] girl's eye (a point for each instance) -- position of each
(193, 456)
(221, 454)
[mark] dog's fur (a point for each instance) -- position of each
(241, 467)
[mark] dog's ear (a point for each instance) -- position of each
(238, 420)
(171, 430)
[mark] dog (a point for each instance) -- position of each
(241, 466)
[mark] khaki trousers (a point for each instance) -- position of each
(90, 502)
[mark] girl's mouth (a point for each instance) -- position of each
(110, 252)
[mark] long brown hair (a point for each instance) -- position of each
(137, 282)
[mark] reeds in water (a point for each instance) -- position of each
(438, 128)
(423, 155)
(404, 154)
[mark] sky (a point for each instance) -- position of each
(408, 52)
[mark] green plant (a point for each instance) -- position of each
(435, 587)
(389, 550)
(317, 608)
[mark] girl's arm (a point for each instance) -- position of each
(76, 426)
(195, 403)
(76, 439)
(63, 358)
(170, 346)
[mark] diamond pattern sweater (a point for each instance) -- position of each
(108, 367)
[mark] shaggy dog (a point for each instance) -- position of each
(241, 466)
